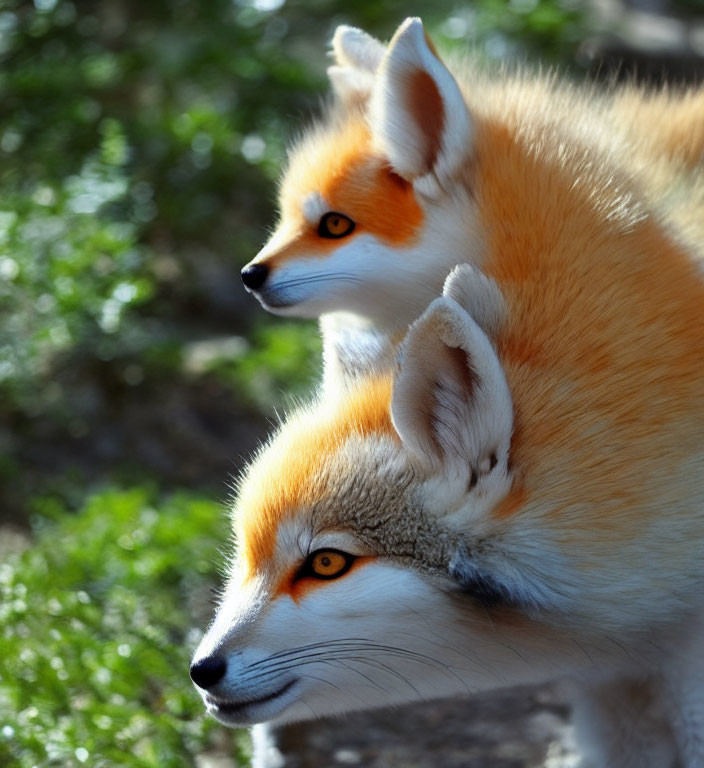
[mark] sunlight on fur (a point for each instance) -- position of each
(500, 481)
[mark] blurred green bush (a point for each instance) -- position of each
(94, 646)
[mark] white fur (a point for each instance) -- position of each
(384, 635)
(352, 47)
(617, 612)
(351, 86)
(357, 56)
(314, 208)
(620, 615)
(352, 348)
(648, 720)
(360, 642)
(365, 275)
(394, 126)
(437, 417)
(477, 294)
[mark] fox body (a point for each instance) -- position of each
(517, 495)
(393, 167)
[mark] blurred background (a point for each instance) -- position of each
(140, 141)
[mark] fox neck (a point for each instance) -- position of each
(403, 281)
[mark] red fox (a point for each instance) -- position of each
(379, 203)
(517, 495)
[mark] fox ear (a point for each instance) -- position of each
(357, 57)
(354, 48)
(352, 349)
(451, 401)
(478, 295)
(419, 117)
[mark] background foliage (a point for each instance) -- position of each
(95, 642)
(139, 143)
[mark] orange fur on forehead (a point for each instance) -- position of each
(341, 165)
(323, 157)
(288, 475)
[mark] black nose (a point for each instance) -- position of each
(254, 275)
(208, 671)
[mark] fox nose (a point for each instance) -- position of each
(254, 276)
(208, 671)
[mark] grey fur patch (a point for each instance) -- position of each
(379, 506)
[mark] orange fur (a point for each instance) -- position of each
(551, 463)
(602, 302)
(582, 267)
(589, 288)
(511, 503)
(353, 180)
(285, 481)
(671, 122)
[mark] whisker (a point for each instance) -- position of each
(309, 658)
(344, 650)
(377, 664)
(584, 650)
(471, 658)
(293, 282)
(309, 647)
(305, 703)
(320, 276)
(322, 680)
(447, 668)
(361, 674)
(334, 653)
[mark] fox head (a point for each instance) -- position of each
(375, 203)
(375, 564)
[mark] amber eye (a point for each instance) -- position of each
(327, 564)
(335, 225)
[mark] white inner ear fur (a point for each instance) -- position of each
(420, 146)
(451, 403)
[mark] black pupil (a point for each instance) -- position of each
(336, 222)
(325, 561)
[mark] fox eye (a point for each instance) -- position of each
(335, 225)
(326, 564)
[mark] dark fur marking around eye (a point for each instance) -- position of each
(492, 461)
(473, 480)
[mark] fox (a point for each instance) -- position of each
(513, 492)
(378, 201)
